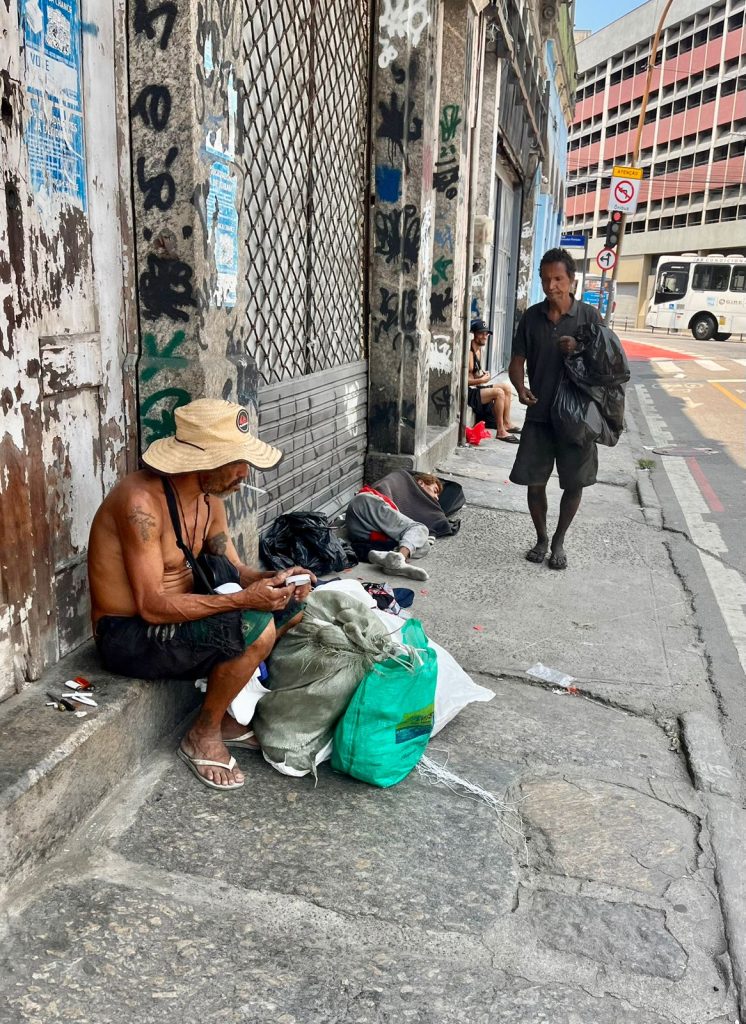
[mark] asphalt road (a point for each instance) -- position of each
(689, 401)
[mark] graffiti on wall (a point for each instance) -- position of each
(188, 231)
(398, 125)
(166, 287)
(445, 183)
(397, 229)
(446, 174)
(398, 236)
(400, 22)
(397, 318)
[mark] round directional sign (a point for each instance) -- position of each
(624, 191)
(606, 259)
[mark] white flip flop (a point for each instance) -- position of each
(243, 741)
(193, 763)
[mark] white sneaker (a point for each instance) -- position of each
(394, 562)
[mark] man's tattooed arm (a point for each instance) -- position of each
(143, 521)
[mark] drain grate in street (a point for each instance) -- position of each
(684, 451)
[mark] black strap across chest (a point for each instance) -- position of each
(191, 560)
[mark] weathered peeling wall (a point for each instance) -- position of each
(186, 66)
(405, 122)
(63, 323)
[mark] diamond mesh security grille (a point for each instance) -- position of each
(304, 114)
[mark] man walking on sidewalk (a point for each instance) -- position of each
(546, 332)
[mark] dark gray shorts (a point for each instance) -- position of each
(129, 646)
(538, 451)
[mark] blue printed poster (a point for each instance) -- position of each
(221, 199)
(54, 130)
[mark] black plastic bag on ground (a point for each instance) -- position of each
(305, 539)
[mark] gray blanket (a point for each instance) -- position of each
(410, 499)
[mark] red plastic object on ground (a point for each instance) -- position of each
(477, 433)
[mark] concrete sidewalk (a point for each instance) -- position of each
(286, 903)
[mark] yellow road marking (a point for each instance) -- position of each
(729, 394)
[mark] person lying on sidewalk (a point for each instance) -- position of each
(380, 533)
(489, 401)
(148, 621)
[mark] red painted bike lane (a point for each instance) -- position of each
(639, 351)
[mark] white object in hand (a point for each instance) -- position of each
(299, 580)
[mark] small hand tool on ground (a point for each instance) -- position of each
(61, 703)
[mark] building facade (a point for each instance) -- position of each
(543, 230)
(693, 195)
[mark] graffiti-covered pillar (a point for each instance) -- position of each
(185, 68)
(528, 239)
(404, 117)
(484, 200)
(451, 180)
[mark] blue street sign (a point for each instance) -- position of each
(574, 241)
(592, 298)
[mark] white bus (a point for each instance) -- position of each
(703, 294)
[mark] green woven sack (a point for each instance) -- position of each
(388, 722)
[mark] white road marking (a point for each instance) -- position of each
(727, 584)
(742, 362)
(710, 365)
(666, 366)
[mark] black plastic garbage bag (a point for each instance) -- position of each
(589, 402)
(305, 539)
(578, 418)
(599, 358)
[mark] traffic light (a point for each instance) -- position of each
(613, 230)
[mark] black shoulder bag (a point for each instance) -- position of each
(208, 571)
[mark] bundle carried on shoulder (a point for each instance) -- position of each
(589, 402)
(313, 672)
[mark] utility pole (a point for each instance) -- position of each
(636, 150)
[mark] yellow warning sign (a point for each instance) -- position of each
(627, 172)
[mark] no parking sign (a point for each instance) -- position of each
(625, 189)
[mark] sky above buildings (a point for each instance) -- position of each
(594, 15)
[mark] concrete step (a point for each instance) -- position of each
(56, 768)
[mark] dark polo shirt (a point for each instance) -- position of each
(537, 340)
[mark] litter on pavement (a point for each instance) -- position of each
(549, 675)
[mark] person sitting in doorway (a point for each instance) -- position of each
(490, 401)
(383, 535)
(148, 621)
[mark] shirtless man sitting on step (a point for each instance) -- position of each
(147, 619)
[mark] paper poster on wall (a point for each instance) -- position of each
(222, 216)
(54, 128)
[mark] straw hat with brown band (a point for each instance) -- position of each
(209, 433)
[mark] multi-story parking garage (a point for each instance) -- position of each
(693, 196)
